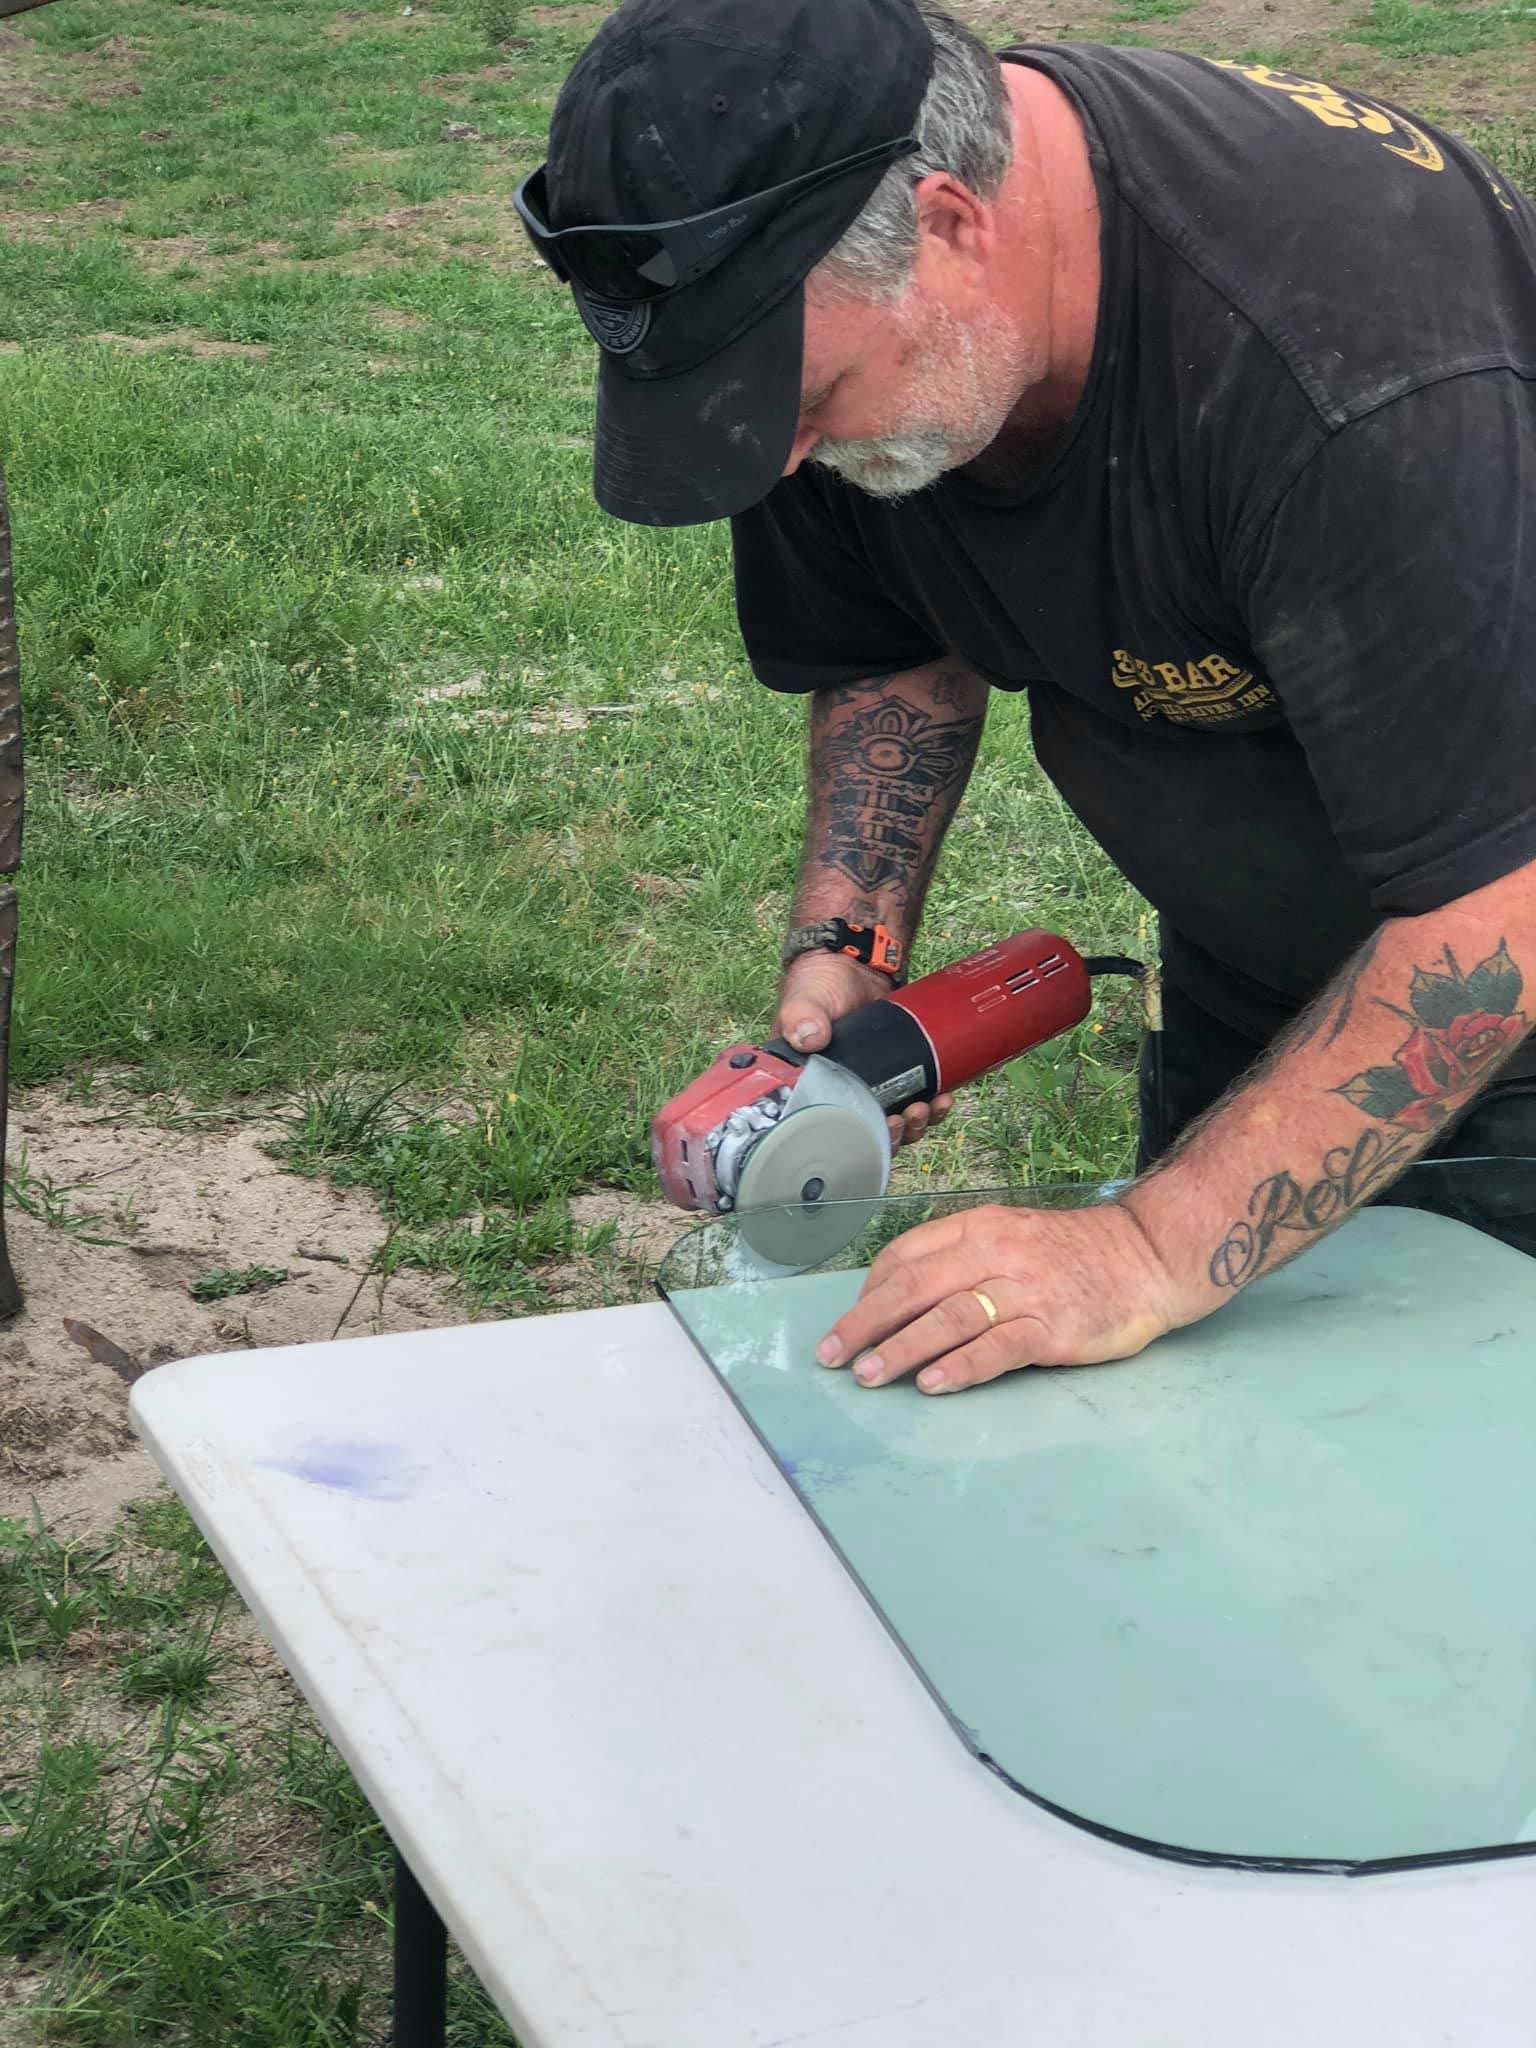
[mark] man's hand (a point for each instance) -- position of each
(1070, 1287)
(820, 987)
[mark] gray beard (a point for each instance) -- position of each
(896, 467)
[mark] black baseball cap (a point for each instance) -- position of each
(672, 138)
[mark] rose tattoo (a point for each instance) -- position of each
(1463, 1024)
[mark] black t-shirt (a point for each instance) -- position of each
(1273, 593)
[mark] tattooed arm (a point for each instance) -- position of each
(889, 762)
(1419, 1021)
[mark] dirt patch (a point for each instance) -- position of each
(646, 1228)
(170, 252)
(354, 22)
(175, 1205)
(416, 231)
(565, 17)
(377, 159)
(1453, 91)
(455, 81)
(115, 49)
(114, 89)
(88, 1501)
(185, 338)
(395, 319)
(19, 224)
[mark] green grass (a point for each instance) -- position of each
(377, 777)
(131, 1869)
(1425, 28)
(264, 857)
(1136, 12)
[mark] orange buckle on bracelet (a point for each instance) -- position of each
(884, 950)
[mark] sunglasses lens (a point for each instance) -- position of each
(621, 264)
(529, 203)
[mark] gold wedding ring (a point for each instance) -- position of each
(988, 1304)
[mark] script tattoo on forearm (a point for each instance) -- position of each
(1281, 1203)
(1462, 1026)
(889, 776)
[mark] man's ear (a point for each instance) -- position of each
(956, 231)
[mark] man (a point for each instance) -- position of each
(1198, 401)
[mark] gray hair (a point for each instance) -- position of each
(964, 126)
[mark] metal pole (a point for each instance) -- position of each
(11, 794)
(421, 1965)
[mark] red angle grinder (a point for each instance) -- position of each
(797, 1143)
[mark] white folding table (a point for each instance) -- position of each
(666, 1778)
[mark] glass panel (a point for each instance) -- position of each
(1265, 1594)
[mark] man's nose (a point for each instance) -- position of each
(804, 442)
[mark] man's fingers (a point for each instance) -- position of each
(1004, 1349)
(914, 1121)
(912, 1289)
(917, 1119)
(957, 1343)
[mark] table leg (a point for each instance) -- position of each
(421, 1964)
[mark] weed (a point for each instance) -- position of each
(54, 1844)
(178, 1673)
(497, 20)
(51, 1589)
(222, 1281)
(335, 1121)
(50, 1201)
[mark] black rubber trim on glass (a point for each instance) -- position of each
(1166, 1852)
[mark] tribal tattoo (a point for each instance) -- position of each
(891, 775)
(1461, 1027)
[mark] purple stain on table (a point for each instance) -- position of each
(371, 1471)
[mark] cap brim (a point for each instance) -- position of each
(710, 442)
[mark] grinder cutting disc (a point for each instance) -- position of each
(831, 1146)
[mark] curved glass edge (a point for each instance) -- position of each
(1145, 1845)
(713, 1254)
(1506, 1184)
(1495, 1194)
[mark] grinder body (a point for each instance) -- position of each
(916, 1043)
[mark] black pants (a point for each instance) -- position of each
(1195, 1059)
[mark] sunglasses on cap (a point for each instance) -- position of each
(648, 259)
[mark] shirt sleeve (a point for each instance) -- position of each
(812, 611)
(1392, 602)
